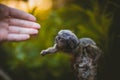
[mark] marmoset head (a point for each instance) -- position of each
(66, 40)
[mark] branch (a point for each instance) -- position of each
(4, 75)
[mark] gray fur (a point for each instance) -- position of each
(84, 51)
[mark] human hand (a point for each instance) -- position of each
(16, 25)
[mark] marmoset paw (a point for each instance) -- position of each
(43, 52)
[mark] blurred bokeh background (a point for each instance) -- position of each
(97, 19)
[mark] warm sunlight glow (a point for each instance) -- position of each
(22, 5)
(29, 5)
(41, 4)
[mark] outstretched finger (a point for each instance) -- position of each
(23, 23)
(21, 14)
(21, 30)
(17, 37)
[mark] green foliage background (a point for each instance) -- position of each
(22, 60)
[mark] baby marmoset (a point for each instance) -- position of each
(84, 50)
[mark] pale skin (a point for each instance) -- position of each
(16, 25)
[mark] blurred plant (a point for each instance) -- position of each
(25, 62)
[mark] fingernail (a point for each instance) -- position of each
(32, 18)
(35, 31)
(27, 36)
(37, 25)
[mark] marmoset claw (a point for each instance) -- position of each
(43, 52)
